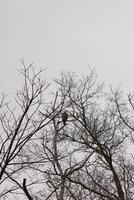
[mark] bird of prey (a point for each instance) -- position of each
(64, 117)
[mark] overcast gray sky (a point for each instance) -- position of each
(68, 35)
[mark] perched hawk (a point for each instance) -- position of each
(64, 118)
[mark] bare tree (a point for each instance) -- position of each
(83, 160)
(19, 126)
(95, 164)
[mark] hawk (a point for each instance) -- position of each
(64, 117)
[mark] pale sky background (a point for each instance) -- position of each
(68, 35)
